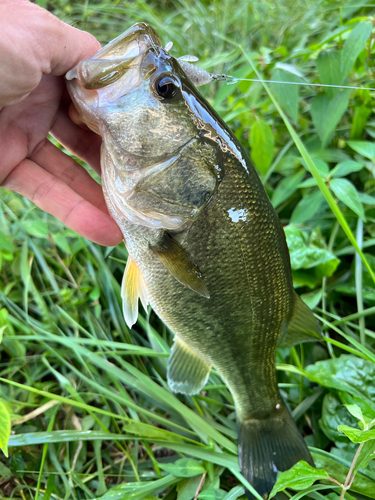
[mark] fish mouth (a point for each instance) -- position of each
(117, 57)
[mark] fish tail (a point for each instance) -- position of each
(267, 446)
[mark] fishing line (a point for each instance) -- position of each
(233, 80)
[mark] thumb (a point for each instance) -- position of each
(62, 46)
(34, 42)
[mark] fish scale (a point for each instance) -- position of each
(206, 248)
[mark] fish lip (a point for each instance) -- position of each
(128, 46)
(71, 74)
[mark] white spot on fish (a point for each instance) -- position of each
(237, 215)
(278, 406)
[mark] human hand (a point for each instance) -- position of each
(36, 50)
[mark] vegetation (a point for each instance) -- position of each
(91, 412)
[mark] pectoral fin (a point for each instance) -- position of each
(302, 327)
(187, 372)
(132, 289)
(176, 260)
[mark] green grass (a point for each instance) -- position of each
(92, 415)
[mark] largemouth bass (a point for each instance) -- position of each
(206, 248)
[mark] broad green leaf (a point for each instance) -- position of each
(347, 193)
(307, 207)
(312, 299)
(311, 493)
(364, 148)
(309, 262)
(184, 467)
(286, 188)
(367, 454)
(308, 183)
(5, 473)
(353, 46)
(366, 199)
(361, 114)
(62, 242)
(347, 373)
(333, 415)
(329, 69)
(356, 411)
(37, 228)
(345, 168)
(5, 243)
(287, 95)
(357, 435)
(326, 113)
(338, 471)
(289, 69)
(368, 413)
(262, 145)
(320, 165)
(212, 493)
(299, 477)
(187, 488)
(4, 428)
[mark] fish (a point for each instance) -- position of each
(206, 248)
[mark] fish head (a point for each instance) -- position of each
(161, 140)
(130, 93)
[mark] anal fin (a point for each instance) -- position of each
(175, 259)
(302, 327)
(132, 289)
(187, 372)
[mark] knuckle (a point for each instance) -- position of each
(43, 190)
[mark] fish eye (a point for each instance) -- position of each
(166, 87)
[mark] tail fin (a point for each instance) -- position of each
(268, 446)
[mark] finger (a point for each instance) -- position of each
(59, 46)
(62, 166)
(33, 43)
(52, 195)
(76, 118)
(83, 143)
(76, 44)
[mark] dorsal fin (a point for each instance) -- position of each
(176, 260)
(132, 289)
(302, 327)
(187, 372)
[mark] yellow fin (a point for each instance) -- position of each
(302, 327)
(187, 372)
(176, 260)
(132, 288)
